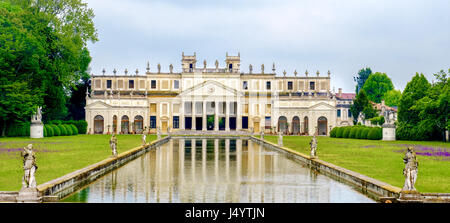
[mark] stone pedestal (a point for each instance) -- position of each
(36, 130)
(29, 195)
(410, 197)
(388, 132)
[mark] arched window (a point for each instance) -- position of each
(295, 125)
(138, 124)
(282, 125)
(98, 124)
(125, 122)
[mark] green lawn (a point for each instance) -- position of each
(381, 160)
(57, 156)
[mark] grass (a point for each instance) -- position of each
(381, 160)
(57, 156)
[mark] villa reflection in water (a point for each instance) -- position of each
(215, 171)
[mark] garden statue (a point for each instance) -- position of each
(280, 139)
(144, 139)
(262, 133)
(158, 133)
(168, 131)
(411, 170)
(29, 167)
(36, 125)
(37, 118)
(113, 144)
(313, 145)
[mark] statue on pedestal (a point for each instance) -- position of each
(262, 133)
(171, 68)
(280, 138)
(37, 118)
(113, 144)
(313, 145)
(411, 170)
(144, 138)
(29, 167)
(158, 133)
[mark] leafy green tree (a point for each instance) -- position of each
(43, 49)
(392, 98)
(377, 85)
(363, 74)
(362, 104)
(416, 89)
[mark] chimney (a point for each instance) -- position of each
(339, 92)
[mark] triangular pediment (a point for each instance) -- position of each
(322, 106)
(210, 88)
(98, 105)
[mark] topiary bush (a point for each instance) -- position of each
(365, 133)
(346, 132)
(359, 133)
(74, 129)
(68, 129)
(375, 134)
(56, 130)
(49, 130)
(63, 130)
(353, 132)
(333, 132)
(339, 132)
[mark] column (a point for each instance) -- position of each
(204, 116)
(216, 115)
(193, 115)
(227, 116)
(238, 115)
(182, 115)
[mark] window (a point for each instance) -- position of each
(176, 122)
(187, 108)
(244, 122)
(312, 85)
(108, 83)
(153, 84)
(349, 113)
(268, 108)
(131, 84)
(290, 85)
(268, 85)
(268, 122)
(339, 113)
(153, 122)
(245, 85)
(230, 66)
(176, 84)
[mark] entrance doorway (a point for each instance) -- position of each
(198, 123)
(256, 128)
(98, 124)
(322, 126)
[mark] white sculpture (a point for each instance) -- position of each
(113, 144)
(313, 145)
(280, 139)
(37, 118)
(171, 68)
(262, 133)
(36, 126)
(411, 170)
(29, 167)
(144, 139)
(158, 133)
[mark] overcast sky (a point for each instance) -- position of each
(397, 37)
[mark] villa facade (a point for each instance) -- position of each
(212, 99)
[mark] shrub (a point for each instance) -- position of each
(68, 129)
(18, 129)
(333, 132)
(346, 132)
(365, 133)
(74, 129)
(339, 132)
(353, 132)
(49, 130)
(359, 133)
(375, 134)
(55, 122)
(81, 126)
(56, 130)
(63, 130)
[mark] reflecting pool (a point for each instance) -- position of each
(215, 171)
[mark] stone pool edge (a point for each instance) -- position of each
(71, 182)
(376, 187)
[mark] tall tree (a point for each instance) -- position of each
(392, 98)
(416, 89)
(362, 104)
(44, 44)
(377, 85)
(363, 74)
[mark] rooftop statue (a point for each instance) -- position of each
(171, 68)
(159, 68)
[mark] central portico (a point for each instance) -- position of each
(211, 99)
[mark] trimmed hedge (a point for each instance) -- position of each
(49, 130)
(18, 129)
(74, 129)
(357, 132)
(63, 130)
(56, 130)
